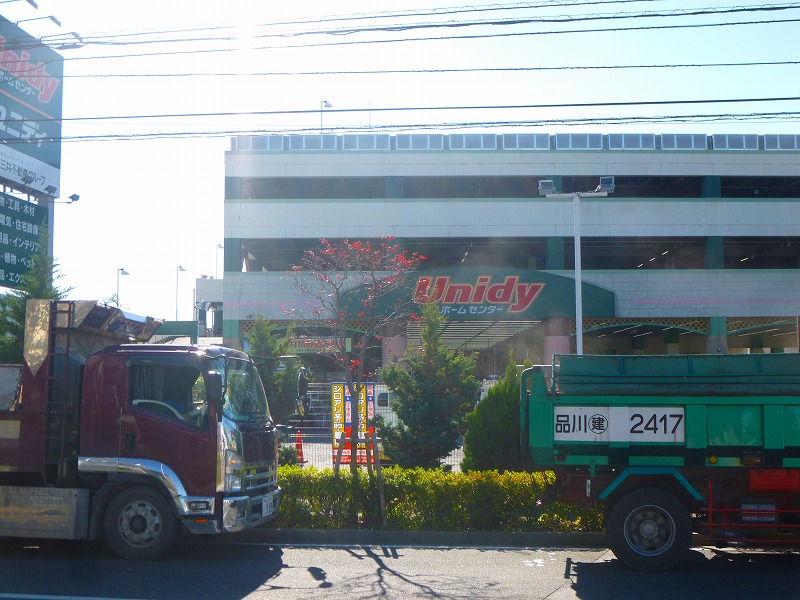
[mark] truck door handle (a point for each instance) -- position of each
(130, 442)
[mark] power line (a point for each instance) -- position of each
(417, 127)
(476, 36)
(437, 71)
(442, 11)
(395, 27)
(540, 20)
(415, 109)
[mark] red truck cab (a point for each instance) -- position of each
(144, 441)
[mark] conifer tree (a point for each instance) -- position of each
(492, 438)
(435, 388)
(38, 282)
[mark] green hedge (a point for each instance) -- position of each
(426, 500)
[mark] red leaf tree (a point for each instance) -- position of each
(355, 290)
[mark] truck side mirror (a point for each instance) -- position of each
(214, 390)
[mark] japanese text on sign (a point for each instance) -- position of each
(21, 223)
(635, 424)
(342, 419)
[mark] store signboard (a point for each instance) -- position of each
(318, 345)
(31, 81)
(20, 226)
(498, 293)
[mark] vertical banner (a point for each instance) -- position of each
(342, 413)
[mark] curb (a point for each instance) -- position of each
(460, 539)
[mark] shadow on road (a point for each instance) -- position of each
(728, 574)
(218, 571)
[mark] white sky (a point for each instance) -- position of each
(151, 205)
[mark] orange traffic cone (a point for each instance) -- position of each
(298, 448)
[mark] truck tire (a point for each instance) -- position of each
(140, 524)
(649, 530)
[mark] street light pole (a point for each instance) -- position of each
(547, 189)
(120, 271)
(323, 104)
(177, 279)
(576, 236)
(216, 260)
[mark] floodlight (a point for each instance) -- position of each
(546, 186)
(606, 184)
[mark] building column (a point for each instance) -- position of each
(554, 255)
(393, 343)
(717, 341)
(393, 347)
(556, 338)
(715, 252)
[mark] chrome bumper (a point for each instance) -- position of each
(244, 512)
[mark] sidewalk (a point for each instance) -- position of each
(456, 539)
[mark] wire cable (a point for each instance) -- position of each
(437, 71)
(783, 116)
(412, 109)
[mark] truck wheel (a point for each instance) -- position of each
(140, 524)
(649, 530)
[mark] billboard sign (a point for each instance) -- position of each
(20, 225)
(31, 81)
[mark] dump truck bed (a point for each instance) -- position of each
(683, 374)
(672, 410)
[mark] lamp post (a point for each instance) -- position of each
(323, 104)
(216, 259)
(177, 280)
(120, 271)
(548, 190)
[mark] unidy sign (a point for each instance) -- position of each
(497, 293)
(511, 295)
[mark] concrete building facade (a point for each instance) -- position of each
(697, 249)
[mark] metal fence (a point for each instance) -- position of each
(313, 433)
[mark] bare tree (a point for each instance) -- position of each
(354, 290)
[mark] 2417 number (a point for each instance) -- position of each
(665, 424)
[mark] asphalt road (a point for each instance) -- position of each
(229, 568)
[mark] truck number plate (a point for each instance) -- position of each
(266, 506)
(644, 424)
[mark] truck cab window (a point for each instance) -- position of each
(169, 388)
(243, 393)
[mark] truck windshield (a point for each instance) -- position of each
(243, 394)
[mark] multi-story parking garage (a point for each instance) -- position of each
(697, 249)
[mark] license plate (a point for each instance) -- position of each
(266, 506)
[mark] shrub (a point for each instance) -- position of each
(420, 499)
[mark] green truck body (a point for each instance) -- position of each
(714, 437)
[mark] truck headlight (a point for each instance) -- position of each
(233, 474)
(234, 483)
